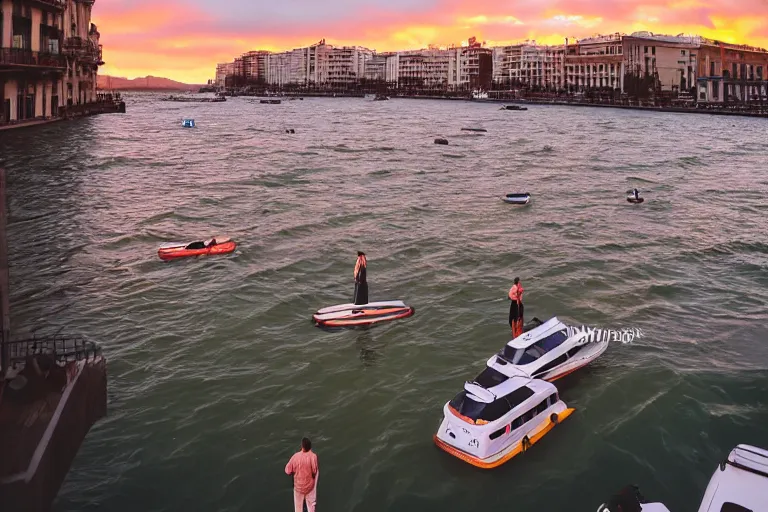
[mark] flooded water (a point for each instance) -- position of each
(216, 371)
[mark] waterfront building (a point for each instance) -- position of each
(595, 62)
(529, 64)
(255, 65)
(730, 73)
(49, 58)
(223, 71)
(473, 67)
(431, 68)
(669, 60)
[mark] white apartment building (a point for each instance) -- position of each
(671, 58)
(530, 64)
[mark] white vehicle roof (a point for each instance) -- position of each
(741, 482)
(480, 394)
(529, 338)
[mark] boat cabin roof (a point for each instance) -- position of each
(742, 485)
(504, 386)
(548, 328)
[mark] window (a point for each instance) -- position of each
(682, 53)
(711, 69)
(552, 399)
(552, 364)
(574, 350)
(542, 407)
(733, 507)
(493, 411)
(646, 49)
(490, 378)
(653, 50)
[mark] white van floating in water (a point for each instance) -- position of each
(496, 418)
(550, 351)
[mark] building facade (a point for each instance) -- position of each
(49, 58)
(641, 65)
(729, 73)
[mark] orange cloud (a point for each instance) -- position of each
(184, 42)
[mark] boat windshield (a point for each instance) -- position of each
(493, 411)
(530, 354)
(490, 378)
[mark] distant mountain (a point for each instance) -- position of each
(148, 83)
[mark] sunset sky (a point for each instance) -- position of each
(184, 39)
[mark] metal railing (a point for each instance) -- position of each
(78, 46)
(24, 57)
(61, 349)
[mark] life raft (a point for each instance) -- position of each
(172, 251)
(351, 315)
(635, 200)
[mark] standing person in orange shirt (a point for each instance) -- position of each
(303, 467)
(516, 308)
(361, 281)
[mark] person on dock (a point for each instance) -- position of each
(516, 308)
(304, 469)
(361, 283)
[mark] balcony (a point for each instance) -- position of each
(22, 58)
(83, 49)
(57, 4)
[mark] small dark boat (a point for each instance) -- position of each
(219, 245)
(633, 197)
(444, 142)
(514, 198)
(513, 107)
(380, 97)
(474, 130)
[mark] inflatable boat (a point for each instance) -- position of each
(496, 418)
(550, 350)
(634, 200)
(523, 198)
(219, 245)
(351, 315)
(739, 484)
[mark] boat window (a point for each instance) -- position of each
(556, 362)
(489, 412)
(490, 378)
(542, 407)
(517, 423)
(552, 399)
(528, 355)
(733, 507)
(498, 433)
(552, 341)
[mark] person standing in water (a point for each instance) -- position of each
(304, 469)
(516, 308)
(361, 283)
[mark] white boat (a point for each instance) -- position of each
(496, 418)
(739, 484)
(518, 198)
(550, 351)
(479, 95)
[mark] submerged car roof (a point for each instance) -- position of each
(529, 338)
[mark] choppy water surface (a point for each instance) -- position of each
(216, 372)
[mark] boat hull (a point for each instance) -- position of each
(180, 251)
(510, 451)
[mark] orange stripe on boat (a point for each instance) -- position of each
(568, 372)
(518, 449)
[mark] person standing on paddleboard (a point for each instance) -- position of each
(516, 308)
(361, 283)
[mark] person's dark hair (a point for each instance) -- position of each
(517, 280)
(360, 253)
(306, 444)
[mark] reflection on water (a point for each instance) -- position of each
(216, 369)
